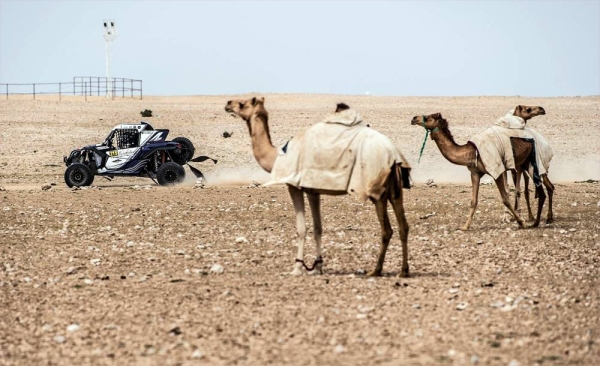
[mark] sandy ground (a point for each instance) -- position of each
(121, 273)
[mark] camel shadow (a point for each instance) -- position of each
(391, 274)
(487, 228)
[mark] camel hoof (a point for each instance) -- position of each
(533, 226)
(374, 273)
(404, 274)
(317, 271)
(549, 220)
(298, 270)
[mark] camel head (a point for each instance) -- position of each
(527, 112)
(246, 108)
(430, 122)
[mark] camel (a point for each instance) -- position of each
(527, 112)
(468, 156)
(256, 116)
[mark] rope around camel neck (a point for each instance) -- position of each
(424, 141)
(423, 147)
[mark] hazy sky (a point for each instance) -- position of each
(425, 48)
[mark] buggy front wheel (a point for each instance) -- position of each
(78, 175)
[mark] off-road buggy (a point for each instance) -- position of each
(136, 150)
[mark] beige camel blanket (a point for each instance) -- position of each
(339, 153)
(493, 145)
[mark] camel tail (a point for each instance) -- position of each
(400, 178)
(551, 185)
(405, 173)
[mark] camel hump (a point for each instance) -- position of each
(511, 121)
(341, 107)
(348, 117)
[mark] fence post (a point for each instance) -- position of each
(6, 91)
(85, 89)
(141, 90)
(33, 91)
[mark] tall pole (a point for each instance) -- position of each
(110, 33)
(109, 94)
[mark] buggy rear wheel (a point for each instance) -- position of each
(78, 175)
(185, 153)
(170, 173)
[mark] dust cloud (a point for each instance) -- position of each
(239, 176)
(562, 170)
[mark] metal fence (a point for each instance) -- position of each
(80, 86)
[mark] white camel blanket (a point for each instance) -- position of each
(339, 153)
(493, 145)
(511, 121)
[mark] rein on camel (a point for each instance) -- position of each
(425, 140)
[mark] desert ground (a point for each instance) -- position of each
(130, 273)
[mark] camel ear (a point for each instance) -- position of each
(436, 116)
(256, 100)
(519, 108)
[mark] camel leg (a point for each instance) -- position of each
(501, 184)
(505, 177)
(314, 201)
(386, 233)
(550, 189)
(398, 206)
(541, 195)
(475, 179)
(298, 200)
(529, 213)
(527, 196)
(516, 176)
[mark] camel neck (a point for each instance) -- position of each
(262, 147)
(456, 154)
